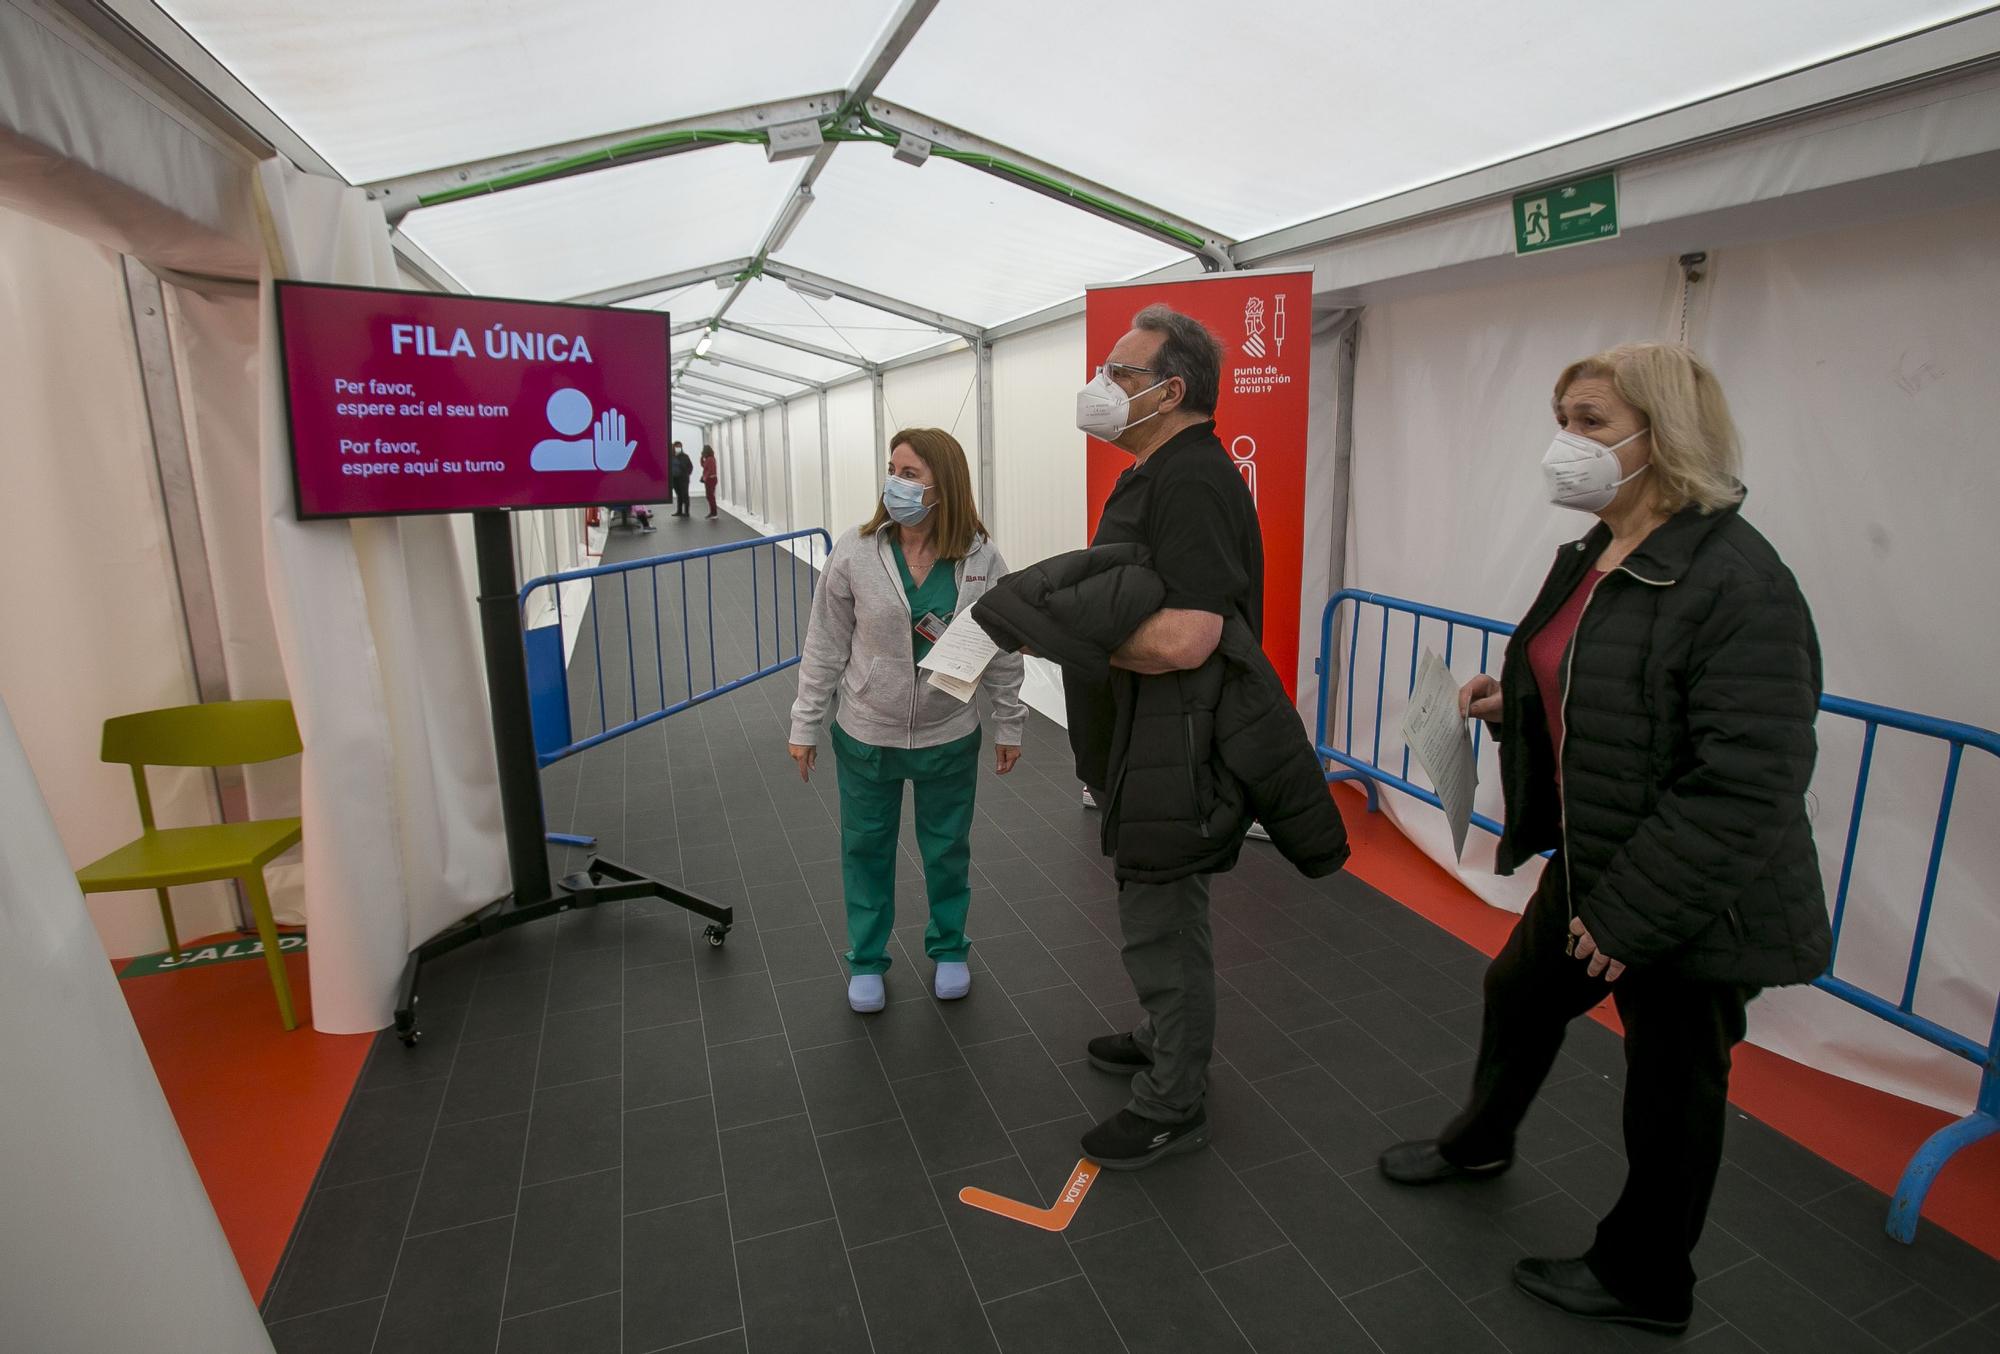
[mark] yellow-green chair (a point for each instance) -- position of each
(222, 733)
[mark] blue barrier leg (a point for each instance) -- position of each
(572, 839)
(1367, 783)
(1925, 1165)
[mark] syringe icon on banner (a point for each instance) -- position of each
(1253, 327)
(1278, 326)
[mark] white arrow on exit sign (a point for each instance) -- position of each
(1592, 210)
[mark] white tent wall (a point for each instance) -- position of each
(95, 148)
(777, 469)
(808, 475)
(1833, 346)
(938, 393)
(110, 1241)
(1039, 465)
(95, 626)
(854, 460)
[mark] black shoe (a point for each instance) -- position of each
(1421, 1163)
(1118, 1054)
(1125, 1141)
(1569, 1286)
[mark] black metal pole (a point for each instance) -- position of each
(507, 691)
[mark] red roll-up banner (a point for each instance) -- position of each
(1264, 321)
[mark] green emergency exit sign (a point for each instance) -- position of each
(1561, 214)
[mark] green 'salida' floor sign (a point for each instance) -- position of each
(220, 952)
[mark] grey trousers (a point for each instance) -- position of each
(1170, 956)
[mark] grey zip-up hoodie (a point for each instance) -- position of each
(860, 640)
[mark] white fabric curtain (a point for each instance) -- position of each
(110, 1241)
(376, 625)
(91, 612)
(1860, 365)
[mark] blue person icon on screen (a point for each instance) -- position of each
(605, 448)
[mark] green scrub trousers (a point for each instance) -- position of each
(871, 819)
(871, 813)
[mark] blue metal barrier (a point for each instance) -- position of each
(1938, 1149)
(774, 648)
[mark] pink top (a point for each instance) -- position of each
(1546, 650)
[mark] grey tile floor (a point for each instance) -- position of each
(615, 1139)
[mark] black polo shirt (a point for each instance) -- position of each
(1188, 505)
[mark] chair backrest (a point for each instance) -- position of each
(221, 733)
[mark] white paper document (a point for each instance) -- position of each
(961, 654)
(1442, 740)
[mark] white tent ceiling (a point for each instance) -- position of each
(1230, 130)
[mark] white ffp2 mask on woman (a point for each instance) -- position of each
(1583, 474)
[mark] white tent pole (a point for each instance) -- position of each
(786, 376)
(405, 193)
(785, 429)
(982, 356)
(686, 277)
(825, 465)
(187, 542)
(921, 314)
(800, 345)
(881, 416)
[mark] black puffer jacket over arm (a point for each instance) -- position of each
(1191, 757)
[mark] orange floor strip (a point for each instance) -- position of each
(1051, 1219)
(256, 1104)
(1865, 1132)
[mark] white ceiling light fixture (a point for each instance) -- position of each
(795, 212)
(794, 140)
(811, 289)
(912, 149)
(701, 348)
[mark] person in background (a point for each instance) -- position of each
(1655, 726)
(709, 475)
(889, 589)
(682, 470)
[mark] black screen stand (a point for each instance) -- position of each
(535, 896)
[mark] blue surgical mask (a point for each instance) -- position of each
(905, 501)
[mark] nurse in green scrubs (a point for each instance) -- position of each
(890, 588)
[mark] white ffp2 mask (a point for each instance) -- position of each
(1103, 407)
(1583, 474)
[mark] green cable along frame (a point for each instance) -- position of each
(875, 133)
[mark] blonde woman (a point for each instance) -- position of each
(1655, 721)
(890, 588)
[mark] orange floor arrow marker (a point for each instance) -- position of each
(1048, 1219)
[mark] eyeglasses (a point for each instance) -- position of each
(1112, 369)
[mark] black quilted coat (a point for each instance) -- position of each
(1692, 685)
(1192, 757)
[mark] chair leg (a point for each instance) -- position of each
(267, 931)
(167, 917)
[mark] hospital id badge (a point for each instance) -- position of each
(931, 628)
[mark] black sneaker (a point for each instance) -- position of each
(1126, 1142)
(1118, 1054)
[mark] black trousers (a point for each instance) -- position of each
(1678, 1037)
(680, 498)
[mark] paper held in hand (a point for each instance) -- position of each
(961, 654)
(1442, 740)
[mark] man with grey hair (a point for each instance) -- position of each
(1183, 499)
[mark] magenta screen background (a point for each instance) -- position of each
(344, 332)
